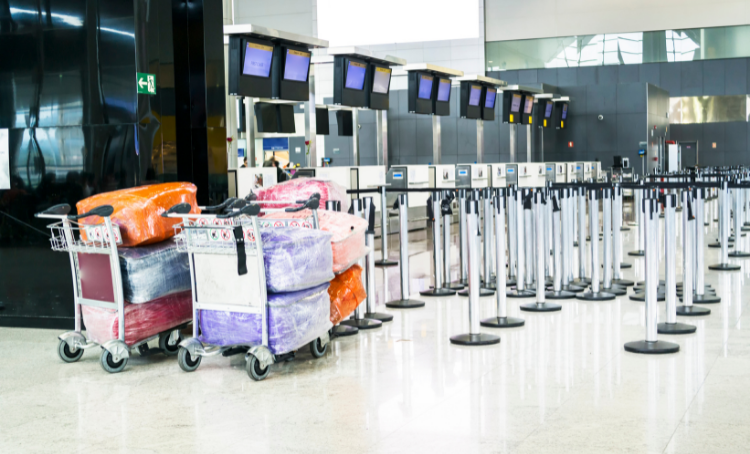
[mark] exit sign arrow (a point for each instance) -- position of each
(146, 83)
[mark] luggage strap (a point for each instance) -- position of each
(239, 239)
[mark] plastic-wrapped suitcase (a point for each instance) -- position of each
(346, 293)
(296, 258)
(153, 271)
(302, 189)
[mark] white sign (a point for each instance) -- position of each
(4, 160)
(298, 150)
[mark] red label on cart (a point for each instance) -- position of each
(294, 224)
(202, 221)
(307, 225)
(225, 235)
(217, 221)
(278, 224)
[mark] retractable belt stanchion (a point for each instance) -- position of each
(539, 231)
(582, 279)
(595, 293)
(403, 234)
(617, 234)
(724, 265)
(688, 232)
(369, 210)
(557, 292)
(512, 198)
(447, 214)
(474, 337)
(462, 236)
(522, 205)
(487, 238)
(671, 326)
(608, 232)
(718, 207)
(340, 330)
(639, 293)
(548, 267)
(384, 232)
(651, 345)
(737, 219)
(567, 200)
(638, 195)
(530, 252)
(435, 216)
(501, 320)
(700, 296)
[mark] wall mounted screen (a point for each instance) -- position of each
(475, 94)
(381, 80)
(489, 100)
(529, 106)
(258, 60)
(444, 90)
(548, 110)
(425, 87)
(297, 65)
(343, 22)
(355, 75)
(515, 105)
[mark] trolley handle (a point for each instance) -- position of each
(312, 203)
(101, 211)
(221, 206)
(249, 210)
(55, 212)
(180, 208)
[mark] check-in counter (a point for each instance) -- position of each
(471, 176)
(531, 175)
(496, 173)
(442, 176)
(246, 179)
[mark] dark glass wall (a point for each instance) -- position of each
(77, 125)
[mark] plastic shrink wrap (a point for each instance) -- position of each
(296, 258)
(302, 189)
(294, 319)
(346, 293)
(141, 320)
(150, 272)
(138, 210)
(348, 241)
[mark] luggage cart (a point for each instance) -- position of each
(228, 274)
(91, 244)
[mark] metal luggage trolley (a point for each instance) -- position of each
(84, 243)
(228, 274)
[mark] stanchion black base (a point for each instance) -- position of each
(561, 295)
(624, 229)
(510, 283)
(520, 293)
(625, 266)
(438, 292)
(483, 291)
(456, 286)
(404, 304)
(363, 323)
(706, 224)
(343, 330)
(652, 348)
(692, 311)
(502, 322)
(572, 288)
(581, 281)
(638, 253)
(615, 290)
(739, 254)
(718, 245)
(385, 318)
(640, 296)
(724, 267)
(475, 339)
(675, 328)
(598, 296)
(745, 228)
(385, 263)
(540, 307)
(575, 243)
(623, 282)
(705, 299)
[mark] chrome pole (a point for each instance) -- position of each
(403, 233)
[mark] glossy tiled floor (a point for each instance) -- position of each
(560, 384)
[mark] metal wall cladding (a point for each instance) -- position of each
(708, 109)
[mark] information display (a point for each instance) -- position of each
(475, 94)
(489, 100)
(565, 112)
(381, 80)
(355, 75)
(297, 65)
(425, 87)
(548, 109)
(529, 105)
(258, 60)
(444, 90)
(515, 104)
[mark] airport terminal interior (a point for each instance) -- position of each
(475, 226)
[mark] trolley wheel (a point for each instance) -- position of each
(108, 363)
(169, 350)
(254, 369)
(317, 349)
(186, 361)
(66, 355)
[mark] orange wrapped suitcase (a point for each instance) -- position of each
(346, 292)
(138, 210)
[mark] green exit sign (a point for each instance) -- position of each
(146, 83)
